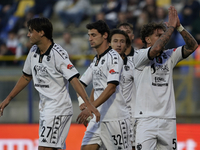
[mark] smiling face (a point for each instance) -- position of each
(118, 43)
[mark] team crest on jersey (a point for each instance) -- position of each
(112, 71)
(48, 58)
(70, 66)
(127, 68)
(35, 55)
(159, 60)
(139, 146)
(102, 62)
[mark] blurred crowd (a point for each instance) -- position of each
(15, 13)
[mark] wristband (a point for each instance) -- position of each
(80, 101)
(180, 28)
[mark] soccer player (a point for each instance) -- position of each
(128, 28)
(49, 66)
(119, 41)
(104, 72)
(155, 110)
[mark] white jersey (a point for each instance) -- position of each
(154, 83)
(107, 69)
(128, 87)
(51, 73)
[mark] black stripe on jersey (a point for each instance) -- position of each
(26, 74)
(114, 56)
(114, 82)
(62, 55)
(76, 75)
(183, 53)
(83, 83)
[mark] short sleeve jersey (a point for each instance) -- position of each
(154, 83)
(51, 73)
(128, 87)
(102, 71)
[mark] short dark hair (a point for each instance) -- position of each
(118, 31)
(100, 26)
(149, 28)
(126, 24)
(41, 24)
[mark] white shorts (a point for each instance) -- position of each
(156, 133)
(115, 135)
(53, 130)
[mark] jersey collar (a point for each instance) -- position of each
(47, 52)
(104, 52)
(132, 52)
(125, 59)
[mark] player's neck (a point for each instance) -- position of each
(128, 50)
(102, 48)
(43, 46)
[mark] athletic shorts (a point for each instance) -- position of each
(156, 133)
(114, 135)
(53, 130)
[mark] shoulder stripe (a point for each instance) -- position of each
(62, 53)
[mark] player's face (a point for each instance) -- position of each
(128, 30)
(118, 43)
(34, 36)
(154, 37)
(95, 38)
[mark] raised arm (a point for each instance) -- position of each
(21, 84)
(191, 43)
(159, 45)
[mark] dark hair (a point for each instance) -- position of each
(148, 29)
(126, 24)
(118, 31)
(41, 24)
(100, 26)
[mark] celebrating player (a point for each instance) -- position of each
(155, 109)
(49, 66)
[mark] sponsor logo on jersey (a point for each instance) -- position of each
(127, 68)
(159, 79)
(112, 71)
(99, 89)
(70, 66)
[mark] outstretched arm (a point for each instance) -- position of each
(81, 91)
(21, 84)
